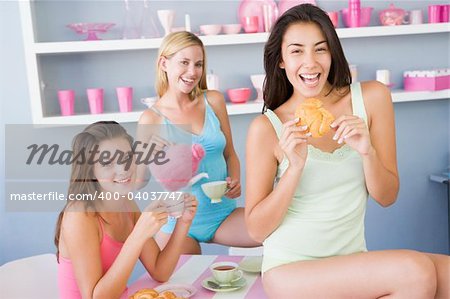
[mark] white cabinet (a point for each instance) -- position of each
(37, 52)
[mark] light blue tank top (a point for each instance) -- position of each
(213, 141)
(326, 214)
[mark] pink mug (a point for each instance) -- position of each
(434, 13)
(66, 101)
(445, 13)
(251, 24)
(334, 17)
(125, 97)
(95, 98)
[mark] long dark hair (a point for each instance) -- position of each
(82, 179)
(277, 88)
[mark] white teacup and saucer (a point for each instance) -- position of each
(226, 278)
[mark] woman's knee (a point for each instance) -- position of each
(420, 272)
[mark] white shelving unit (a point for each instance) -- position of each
(34, 50)
(225, 40)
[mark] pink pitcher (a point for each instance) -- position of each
(183, 163)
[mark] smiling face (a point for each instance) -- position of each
(306, 59)
(184, 69)
(111, 172)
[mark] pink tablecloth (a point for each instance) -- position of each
(193, 269)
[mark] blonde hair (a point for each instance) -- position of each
(173, 43)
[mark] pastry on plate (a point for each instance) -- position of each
(313, 115)
(145, 294)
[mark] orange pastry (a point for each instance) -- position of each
(313, 115)
(145, 294)
(167, 295)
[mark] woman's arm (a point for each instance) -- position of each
(266, 206)
(161, 264)
(380, 164)
(217, 102)
(375, 144)
(81, 237)
(147, 144)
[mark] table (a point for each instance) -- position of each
(193, 269)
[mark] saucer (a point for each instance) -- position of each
(181, 290)
(251, 264)
(233, 287)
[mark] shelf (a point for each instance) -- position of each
(223, 40)
(399, 96)
(232, 109)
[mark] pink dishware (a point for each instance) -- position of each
(179, 170)
(445, 13)
(250, 24)
(95, 98)
(434, 13)
(213, 29)
(285, 5)
(239, 95)
(364, 17)
(393, 16)
(91, 29)
(429, 80)
(334, 17)
(66, 100)
(125, 97)
(249, 8)
(231, 28)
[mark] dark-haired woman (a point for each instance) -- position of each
(99, 241)
(306, 197)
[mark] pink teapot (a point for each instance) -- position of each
(178, 172)
(393, 16)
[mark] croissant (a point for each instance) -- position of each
(167, 295)
(145, 294)
(313, 115)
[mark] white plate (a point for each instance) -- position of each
(251, 264)
(234, 286)
(181, 290)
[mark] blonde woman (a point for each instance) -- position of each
(185, 100)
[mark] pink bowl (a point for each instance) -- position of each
(231, 28)
(366, 13)
(210, 29)
(239, 95)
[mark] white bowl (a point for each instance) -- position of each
(211, 29)
(231, 28)
(215, 190)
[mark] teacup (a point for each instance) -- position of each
(174, 206)
(225, 273)
(215, 190)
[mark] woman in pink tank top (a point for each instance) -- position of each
(99, 241)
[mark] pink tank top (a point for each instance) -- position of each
(109, 250)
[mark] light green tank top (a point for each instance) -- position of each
(326, 215)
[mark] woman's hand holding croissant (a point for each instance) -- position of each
(294, 143)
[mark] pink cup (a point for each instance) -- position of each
(95, 98)
(334, 17)
(66, 101)
(445, 13)
(434, 13)
(250, 24)
(125, 97)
